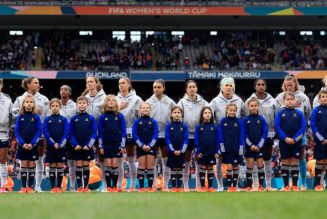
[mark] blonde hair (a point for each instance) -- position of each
(106, 108)
(54, 100)
(97, 81)
(290, 77)
(227, 80)
(22, 108)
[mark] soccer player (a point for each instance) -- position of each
(176, 137)
(145, 133)
(28, 130)
(290, 125)
(318, 121)
(256, 131)
(5, 124)
(129, 105)
(231, 138)
(206, 140)
(83, 132)
(191, 105)
(56, 132)
(112, 138)
(161, 106)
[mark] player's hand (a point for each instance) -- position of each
(56, 146)
(77, 148)
(289, 140)
(25, 146)
(29, 146)
(324, 142)
(145, 148)
(253, 148)
(122, 151)
(199, 155)
(86, 148)
(216, 156)
(177, 153)
(101, 151)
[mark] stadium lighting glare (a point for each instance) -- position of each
(322, 33)
(213, 33)
(16, 33)
(35, 47)
(120, 35)
(177, 33)
(282, 33)
(148, 33)
(85, 33)
(306, 33)
(136, 36)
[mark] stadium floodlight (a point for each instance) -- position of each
(306, 33)
(177, 33)
(213, 33)
(322, 33)
(120, 35)
(15, 32)
(282, 33)
(86, 33)
(136, 36)
(148, 33)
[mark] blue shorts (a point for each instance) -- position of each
(289, 151)
(112, 152)
(31, 155)
(176, 162)
(55, 155)
(207, 160)
(320, 151)
(83, 155)
(4, 144)
(232, 158)
(140, 152)
(254, 154)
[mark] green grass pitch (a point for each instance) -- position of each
(159, 205)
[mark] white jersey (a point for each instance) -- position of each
(219, 104)
(161, 111)
(96, 104)
(68, 110)
(41, 102)
(5, 115)
(305, 106)
(131, 111)
(268, 109)
(191, 111)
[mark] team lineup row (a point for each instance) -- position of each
(192, 110)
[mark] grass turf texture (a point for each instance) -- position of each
(164, 205)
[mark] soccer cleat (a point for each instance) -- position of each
(204, 189)
(142, 190)
(119, 189)
(295, 188)
(114, 190)
(319, 188)
(3, 190)
(59, 190)
(53, 190)
(232, 189)
(261, 189)
(186, 190)
(198, 189)
(173, 189)
(165, 189)
(152, 190)
(220, 189)
(131, 189)
(286, 189)
(23, 190)
(211, 189)
(270, 189)
(303, 189)
(30, 190)
(80, 189)
(38, 190)
(248, 189)
(86, 190)
(180, 190)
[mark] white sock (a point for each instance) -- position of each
(219, 174)
(268, 172)
(132, 170)
(39, 172)
(322, 178)
(186, 174)
(72, 174)
(3, 174)
(120, 172)
(165, 171)
(197, 177)
(255, 178)
(102, 168)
